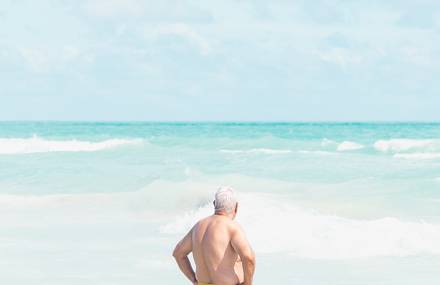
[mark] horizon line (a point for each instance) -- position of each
(223, 121)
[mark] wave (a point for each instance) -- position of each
(38, 145)
(402, 145)
(258, 150)
(172, 208)
(327, 142)
(343, 146)
(318, 152)
(418, 155)
(348, 145)
(276, 151)
(158, 200)
(305, 233)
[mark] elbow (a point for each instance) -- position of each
(176, 253)
(250, 258)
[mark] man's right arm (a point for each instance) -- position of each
(244, 250)
(180, 253)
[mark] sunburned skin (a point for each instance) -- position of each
(215, 258)
(221, 253)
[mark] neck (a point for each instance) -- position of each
(224, 214)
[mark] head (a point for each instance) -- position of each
(225, 202)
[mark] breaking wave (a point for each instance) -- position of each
(37, 145)
(258, 150)
(275, 226)
(402, 145)
(418, 155)
(274, 223)
(343, 146)
(348, 145)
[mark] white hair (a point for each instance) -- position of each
(225, 199)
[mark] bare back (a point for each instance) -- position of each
(215, 258)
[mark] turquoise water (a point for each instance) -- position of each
(322, 203)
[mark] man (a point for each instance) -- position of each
(221, 253)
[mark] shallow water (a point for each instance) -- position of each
(322, 203)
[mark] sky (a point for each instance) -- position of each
(111, 60)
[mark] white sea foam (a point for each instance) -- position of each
(348, 145)
(343, 146)
(258, 150)
(157, 201)
(327, 142)
(318, 152)
(418, 155)
(273, 222)
(36, 144)
(401, 145)
(274, 226)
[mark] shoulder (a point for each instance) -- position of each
(201, 224)
(202, 221)
(234, 227)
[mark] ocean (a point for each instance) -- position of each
(321, 203)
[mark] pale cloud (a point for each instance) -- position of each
(71, 52)
(111, 8)
(169, 52)
(342, 57)
(184, 31)
(45, 60)
(36, 59)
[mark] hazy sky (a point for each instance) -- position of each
(219, 60)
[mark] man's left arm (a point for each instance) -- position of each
(180, 253)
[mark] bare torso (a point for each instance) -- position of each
(215, 258)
